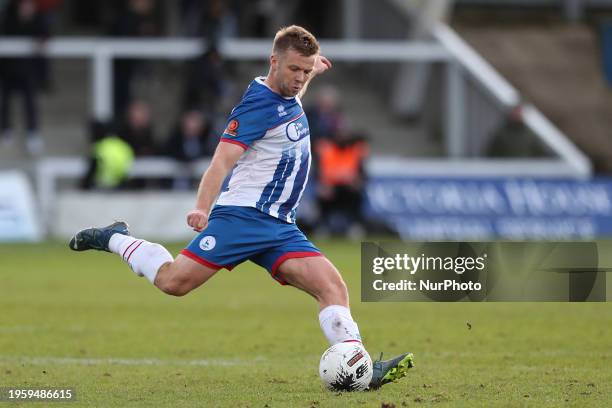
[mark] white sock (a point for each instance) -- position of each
(144, 257)
(338, 324)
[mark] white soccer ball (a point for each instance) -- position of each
(346, 367)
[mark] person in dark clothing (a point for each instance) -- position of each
(205, 82)
(189, 141)
(137, 130)
(213, 20)
(218, 21)
(19, 75)
(325, 116)
(514, 139)
(139, 20)
(47, 10)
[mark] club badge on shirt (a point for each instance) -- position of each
(232, 127)
(207, 243)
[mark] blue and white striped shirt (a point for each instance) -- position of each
(272, 172)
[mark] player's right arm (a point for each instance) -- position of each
(247, 123)
(224, 159)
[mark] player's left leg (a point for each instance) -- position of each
(175, 277)
(183, 275)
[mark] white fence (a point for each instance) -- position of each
(63, 213)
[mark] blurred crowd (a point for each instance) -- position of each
(24, 77)
(338, 172)
(338, 153)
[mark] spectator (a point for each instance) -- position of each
(213, 20)
(342, 177)
(137, 129)
(110, 160)
(260, 16)
(19, 75)
(323, 120)
(139, 20)
(513, 139)
(190, 12)
(189, 141)
(205, 83)
(218, 21)
(47, 10)
(325, 116)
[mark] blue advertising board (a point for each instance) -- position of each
(513, 209)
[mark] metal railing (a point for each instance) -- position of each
(450, 49)
(101, 52)
(506, 95)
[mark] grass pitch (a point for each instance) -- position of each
(83, 320)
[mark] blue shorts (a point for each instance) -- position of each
(235, 234)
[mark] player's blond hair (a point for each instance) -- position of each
(296, 38)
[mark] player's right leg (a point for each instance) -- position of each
(320, 278)
(172, 276)
(386, 371)
(317, 276)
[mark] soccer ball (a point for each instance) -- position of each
(346, 367)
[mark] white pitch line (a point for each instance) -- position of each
(19, 329)
(125, 361)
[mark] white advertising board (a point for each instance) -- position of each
(19, 219)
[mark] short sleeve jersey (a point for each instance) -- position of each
(272, 172)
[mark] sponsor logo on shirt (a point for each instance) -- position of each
(297, 129)
(281, 111)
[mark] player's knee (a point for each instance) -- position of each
(175, 287)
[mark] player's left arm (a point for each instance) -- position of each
(321, 65)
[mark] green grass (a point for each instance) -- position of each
(84, 320)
